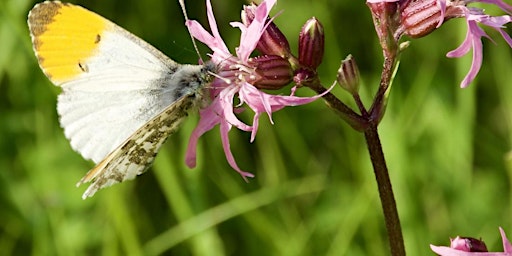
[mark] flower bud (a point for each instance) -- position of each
(311, 44)
(420, 18)
(348, 75)
(272, 41)
(272, 72)
(468, 244)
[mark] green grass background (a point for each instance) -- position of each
(448, 151)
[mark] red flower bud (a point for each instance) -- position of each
(468, 244)
(273, 72)
(420, 18)
(311, 44)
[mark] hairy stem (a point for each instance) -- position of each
(379, 102)
(343, 111)
(387, 198)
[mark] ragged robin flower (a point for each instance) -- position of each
(242, 76)
(418, 18)
(461, 246)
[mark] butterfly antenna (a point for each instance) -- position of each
(184, 10)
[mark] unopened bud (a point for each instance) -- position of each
(420, 18)
(468, 244)
(273, 72)
(348, 75)
(272, 41)
(311, 44)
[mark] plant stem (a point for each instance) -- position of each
(367, 122)
(387, 198)
(343, 111)
(380, 101)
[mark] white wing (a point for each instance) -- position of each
(137, 152)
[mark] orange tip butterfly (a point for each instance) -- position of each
(121, 97)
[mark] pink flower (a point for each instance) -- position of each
(419, 18)
(237, 75)
(461, 247)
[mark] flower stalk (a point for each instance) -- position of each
(387, 198)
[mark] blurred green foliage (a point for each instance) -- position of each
(314, 193)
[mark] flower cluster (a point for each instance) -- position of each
(466, 246)
(244, 76)
(419, 18)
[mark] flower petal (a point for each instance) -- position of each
(507, 247)
(226, 98)
(252, 33)
(207, 121)
(473, 40)
(224, 130)
(442, 6)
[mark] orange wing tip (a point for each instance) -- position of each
(64, 37)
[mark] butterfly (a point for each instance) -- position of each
(121, 97)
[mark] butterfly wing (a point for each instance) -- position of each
(137, 152)
(113, 83)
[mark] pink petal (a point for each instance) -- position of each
(198, 32)
(220, 45)
(251, 34)
(255, 125)
(256, 99)
(506, 37)
(224, 130)
(507, 247)
(476, 64)
(442, 6)
(473, 40)
(207, 121)
(463, 48)
(226, 97)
